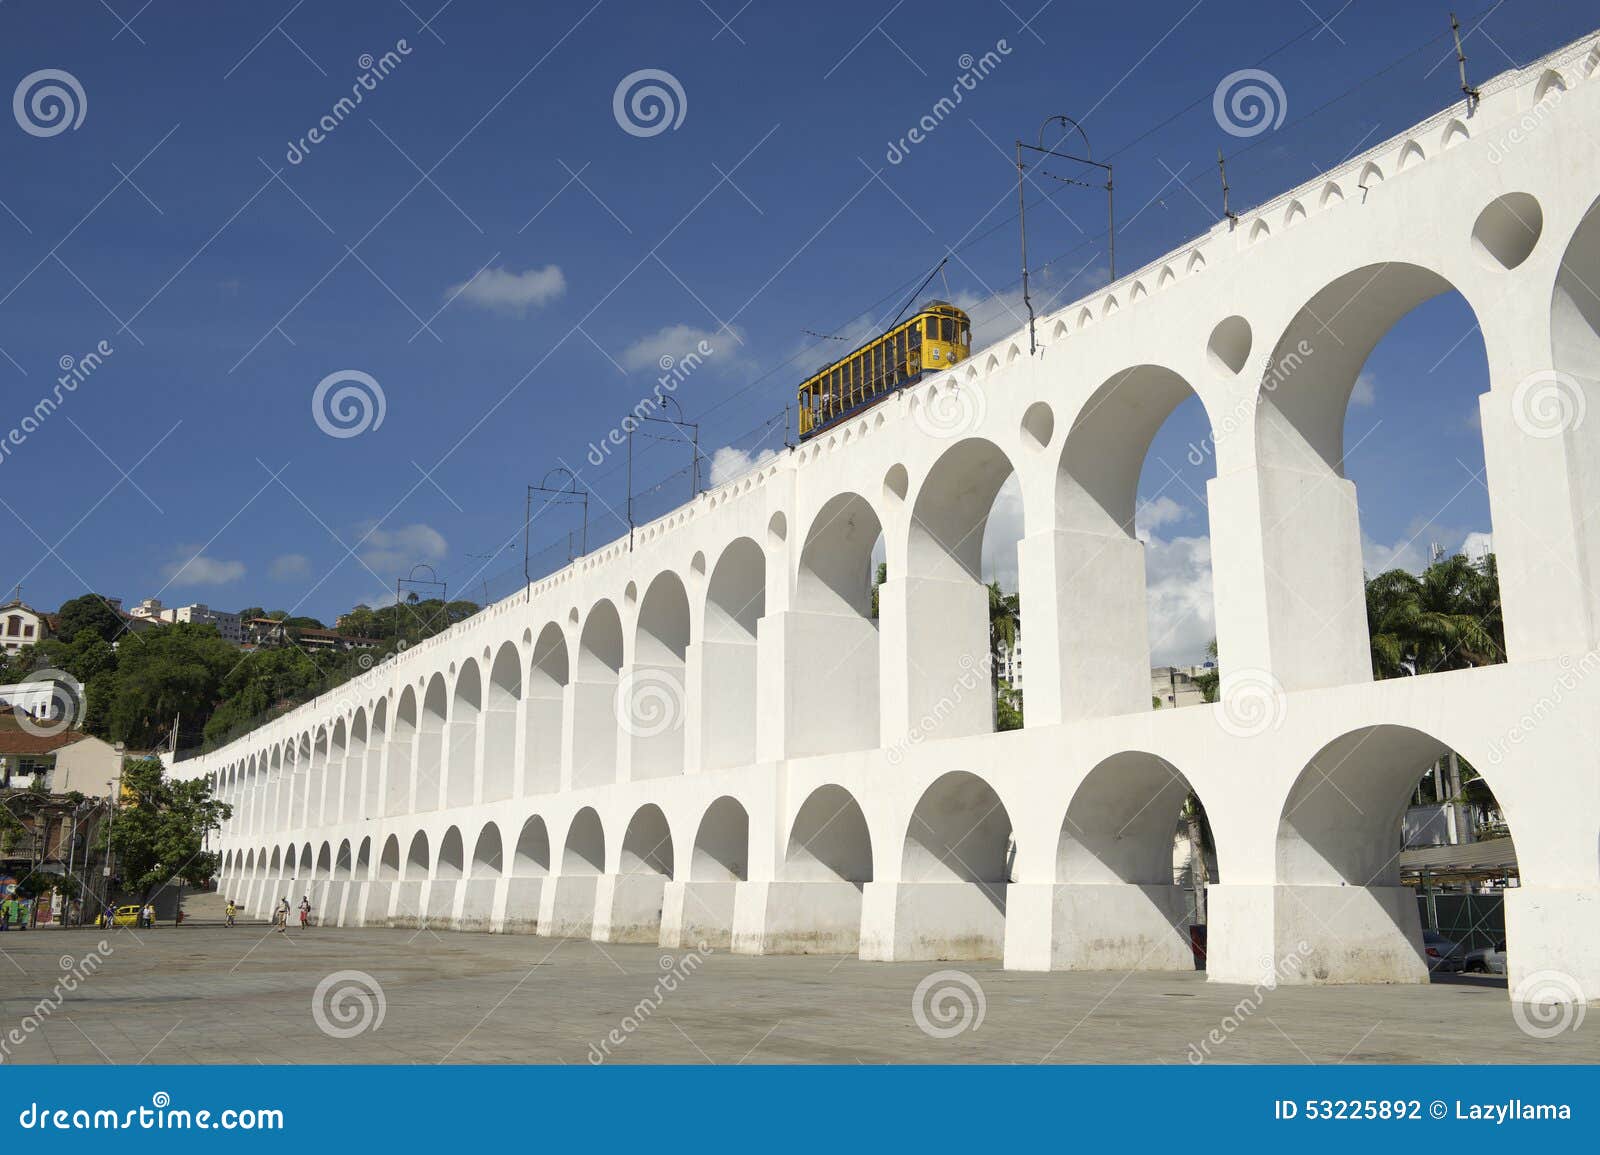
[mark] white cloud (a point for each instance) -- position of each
(728, 463)
(998, 562)
(502, 291)
(1365, 392)
(1152, 515)
(676, 342)
(397, 550)
(193, 568)
(289, 565)
(1178, 599)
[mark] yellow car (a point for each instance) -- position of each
(125, 916)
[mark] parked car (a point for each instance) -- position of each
(1443, 954)
(1489, 960)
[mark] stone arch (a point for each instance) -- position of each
(736, 600)
(832, 633)
(955, 867)
(503, 693)
(402, 751)
(324, 865)
(466, 709)
(1099, 553)
(450, 863)
(303, 873)
(546, 689)
(341, 862)
(722, 843)
(355, 768)
(948, 692)
(488, 854)
(1314, 593)
(1338, 860)
(1118, 904)
(326, 804)
(363, 867)
(307, 793)
(829, 840)
(647, 843)
(377, 744)
(594, 721)
(416, 868)
(1575, 305)
(389, 860)
(585, 849)
(651, 698)
(532, 859)
(428, 784)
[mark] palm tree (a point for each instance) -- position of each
(1005, 625)
(1447, 619)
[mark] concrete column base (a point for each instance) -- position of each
(567, 906)
(1553, 944)
(477, 904)
(797, 918)
(354, 906)
(376, 910)
(406, 908)
(627, 908)
(522, 905)
(1264, 935)
(440, 905)
(326, 901)
(1111, 926)
(932, 920)
(693, 913)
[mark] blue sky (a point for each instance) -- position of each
(483, 239)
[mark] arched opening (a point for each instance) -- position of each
(1345, 496)
(324, 866)
(417, 858)
(500, 724)
(722, 844)
(372, 789)
(402, 752)
(271, 816)
(355, 769)
(428, 784)
(364, 859)
(1132, 541)
(466, 705)
(951, 611)
(487, 858)
(303, 872)
(594, 691)
(342, 863)
(1133, 861)
(1575, 304)
(309, 784)
(585, 851)
(451, 854)
(533, 850)
(831, 637)
(829, 841)
(736, 600)
(389, 860)
(547, 683)
(651, 696)
(954, 870)
(1393, 857)
(647, 843)
(332, 794)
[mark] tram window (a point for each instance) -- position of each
(947, 328)
(966, 335)
(914, 334)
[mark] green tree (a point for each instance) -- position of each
(1005, 626)
(1446, 619)
(89, 612)
(1209, 682)
(158, 834)
(173, 672)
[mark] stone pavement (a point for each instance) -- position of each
(203, 993)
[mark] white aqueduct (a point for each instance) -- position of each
(798, 775)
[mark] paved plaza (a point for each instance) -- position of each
(203, 993)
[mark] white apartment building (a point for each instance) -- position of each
(230, 626)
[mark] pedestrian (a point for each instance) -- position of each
(149, 915)
(228, 920)
(281, 916)
(305, 911)
(109, 919)
(5, 915)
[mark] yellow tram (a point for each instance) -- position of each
(938, 336)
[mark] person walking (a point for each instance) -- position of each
(282, 915)
(305, 912)
(229, 913)
(149, 916)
